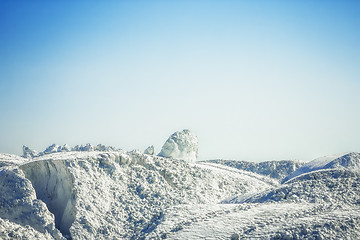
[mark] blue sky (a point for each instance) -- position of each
(254, 80)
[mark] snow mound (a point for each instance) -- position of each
(348, 160)
(181, 145)
(273, 169)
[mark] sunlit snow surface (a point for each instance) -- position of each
(119, 195)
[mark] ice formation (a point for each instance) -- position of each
(102, 195)
(53, 184)
(54, 148)
(181, 145)
(29, 153)
(98, 192)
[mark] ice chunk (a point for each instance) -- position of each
(150, 150)
(52, 149)
(181, 145)
(29, 153)
(65, 148)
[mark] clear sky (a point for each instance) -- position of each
(254, 80)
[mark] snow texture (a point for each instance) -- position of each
(92, 192)
(181, 145)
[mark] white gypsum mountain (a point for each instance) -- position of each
(100, 192)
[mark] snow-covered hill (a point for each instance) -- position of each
(102, 192)
(347, 160)
(322, 186)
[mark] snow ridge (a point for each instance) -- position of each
(273, 169)
(348, 160)
(322, 186)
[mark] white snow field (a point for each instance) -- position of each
(106, 193)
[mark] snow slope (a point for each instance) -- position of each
(262, 221)
(347, 160)
(323, 186)
(273, 169)
(323, 204)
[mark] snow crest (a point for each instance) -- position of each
(273, 169)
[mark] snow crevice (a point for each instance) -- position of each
(53, 184)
